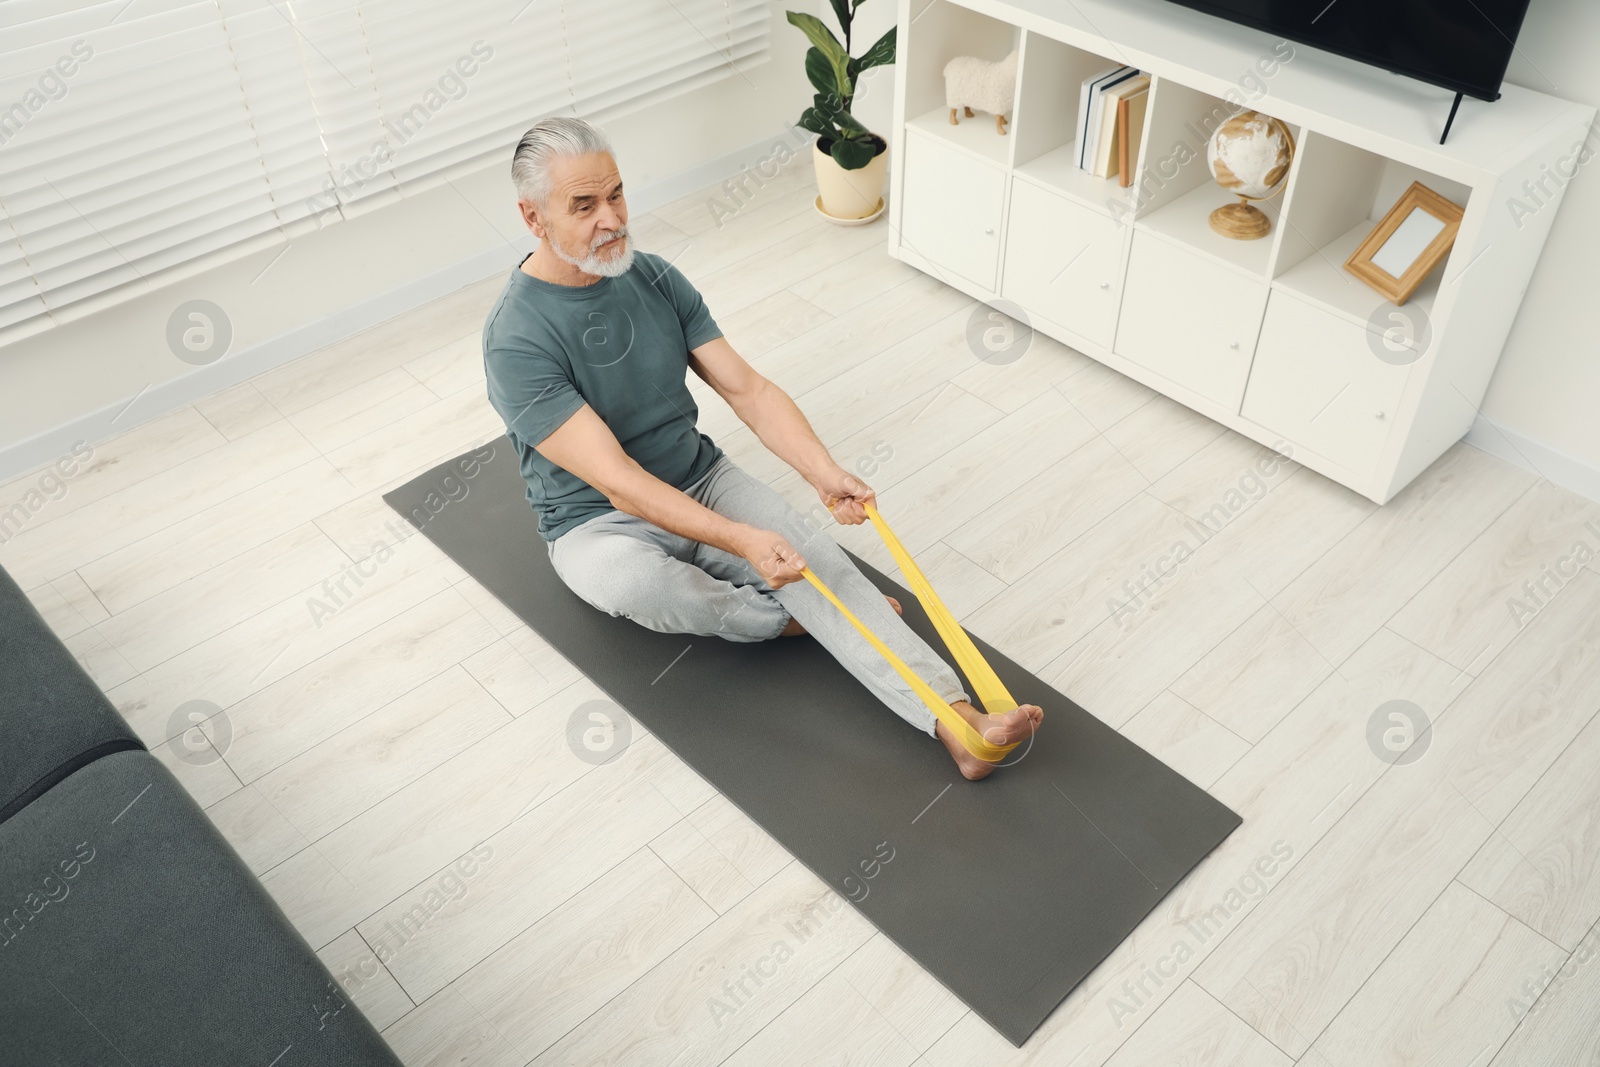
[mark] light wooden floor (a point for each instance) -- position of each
(406, 755)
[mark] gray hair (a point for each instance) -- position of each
(547, 140)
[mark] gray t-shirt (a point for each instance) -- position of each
(620, 345)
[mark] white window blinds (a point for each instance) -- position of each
(145, 142)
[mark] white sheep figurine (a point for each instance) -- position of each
(988, 85)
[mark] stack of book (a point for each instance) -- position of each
(1111, 109)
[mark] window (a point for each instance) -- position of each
(146, 142)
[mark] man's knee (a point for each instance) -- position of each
(607, 572)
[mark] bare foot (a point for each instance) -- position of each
(1015, 725)
(794, 629)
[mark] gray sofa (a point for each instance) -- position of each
(131, 933)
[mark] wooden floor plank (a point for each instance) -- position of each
(1543, 862)
(1381, 564)
(1439, 997)
(546, 980)
(1192, 1030)
(1475, 606)
(1557, 1022)
(364, 980)
(727, 983)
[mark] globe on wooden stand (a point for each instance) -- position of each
(1249, 156)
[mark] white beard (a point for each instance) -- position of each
(611, 266)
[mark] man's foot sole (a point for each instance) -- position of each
(1014, 726)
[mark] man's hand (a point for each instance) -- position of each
(773, 557)
(844, 495)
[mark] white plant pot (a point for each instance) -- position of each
(850, 194)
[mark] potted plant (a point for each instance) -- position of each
(850, 160)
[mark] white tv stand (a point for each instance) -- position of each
(1272, 338)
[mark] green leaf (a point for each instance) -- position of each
(818, 124)
(827, 104)
(841, 11)
(852, 155)
(882, 51)
(848, 123)
(817, 32)
(823, 39)
(820, 71)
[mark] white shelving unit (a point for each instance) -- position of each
(1272, 338)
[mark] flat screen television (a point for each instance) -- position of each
(1462, 45)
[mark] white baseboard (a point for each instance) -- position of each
(45, 448)
(1535, 458)
(96, 426)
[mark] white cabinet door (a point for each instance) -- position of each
(1189, 319)
(950, 211)
(1063, 262)
(1318, 382)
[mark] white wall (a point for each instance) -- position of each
(1542, 401)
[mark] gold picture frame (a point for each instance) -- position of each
(1407, 243)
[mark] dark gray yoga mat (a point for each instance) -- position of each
(1008, 891)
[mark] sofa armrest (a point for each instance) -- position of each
(132, 932)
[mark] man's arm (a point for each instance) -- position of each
(766, 409)
(585, 445)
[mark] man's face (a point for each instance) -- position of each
(586, 223)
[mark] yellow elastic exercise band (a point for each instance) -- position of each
(991, 692)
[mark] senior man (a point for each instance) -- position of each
(586, 352)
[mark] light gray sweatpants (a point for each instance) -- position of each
(629, 566)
